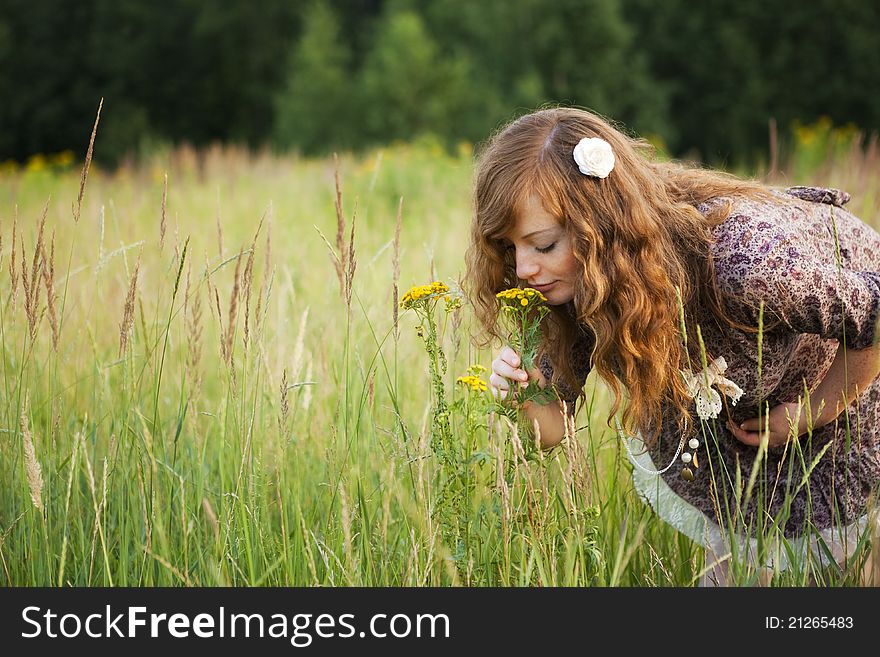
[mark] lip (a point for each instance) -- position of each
(544, 288)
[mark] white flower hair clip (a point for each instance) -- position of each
(699, 387)
(594, 157)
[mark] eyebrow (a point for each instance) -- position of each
(538, 232)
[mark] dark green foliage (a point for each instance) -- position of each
(408, 88)
(732, 65)
(315, 109)
(704, 77)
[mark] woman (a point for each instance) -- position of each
(651, 267)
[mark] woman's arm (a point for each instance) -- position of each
(851, 372)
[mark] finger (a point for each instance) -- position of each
(753, 424)
(509, 356)
(499, 382)
(505, 370)
(752, 438)
(502, 384)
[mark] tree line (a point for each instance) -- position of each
(702, 78)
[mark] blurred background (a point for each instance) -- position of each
(703, 80)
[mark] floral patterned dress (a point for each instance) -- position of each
(785, 255)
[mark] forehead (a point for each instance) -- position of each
(531, 216)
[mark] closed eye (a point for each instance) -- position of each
(546, 249)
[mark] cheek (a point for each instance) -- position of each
(569, 268)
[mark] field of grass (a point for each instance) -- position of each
(202, 385)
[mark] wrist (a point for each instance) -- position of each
(821, 415)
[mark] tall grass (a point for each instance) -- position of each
(208, 395)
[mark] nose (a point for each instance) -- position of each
(526, 267)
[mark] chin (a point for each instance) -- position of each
(559, 299)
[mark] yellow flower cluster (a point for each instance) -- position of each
(452, 303)
(476, 370)
(420, 292)
(521, 296)
(475, 383)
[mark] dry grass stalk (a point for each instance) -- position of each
(212, 293)
(343, 256)
(575, 475)
(219, 313)
(308, 550)
(86, 165)
(56, 424)
(212, 518)
(183, 577)
(285, 405)
(48, 270)
(13, 270)
(395, 270)
(30, 282)
(307, 395)
(143, 317)
(219, 228)
(388, 486)
(345, 512)
(77, 445)
(226, 346)
(192, 310)
(127, 323)
(352, 262)
(340, 228)
(34, 472)
(299, 348)
(101, 244)
(113, 441)
(457, 318)
(98, 526)
(268, 268)
(163, 220)
(501, 484)
(92, 488)
(148, 525)
(248, 283)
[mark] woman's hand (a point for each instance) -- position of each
(777, 425)
(506, 373)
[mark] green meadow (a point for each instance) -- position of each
(207, 380)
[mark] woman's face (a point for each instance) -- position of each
(544, 257)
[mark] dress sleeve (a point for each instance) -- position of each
(580, 361)
(808, 293)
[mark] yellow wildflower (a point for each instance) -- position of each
(521, 296)
(36, 162)
(452, 303)
(474, 383)
(420, 292)
(62, 159)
